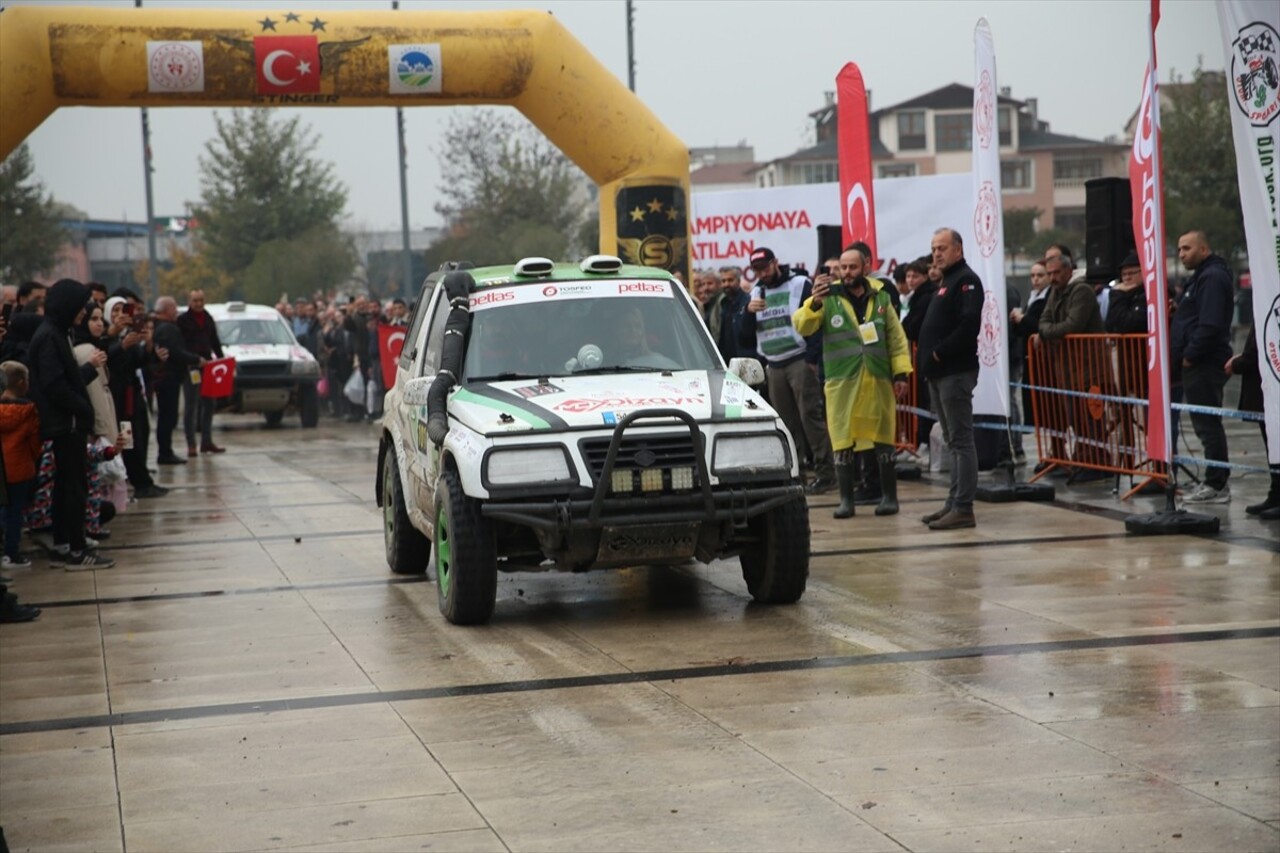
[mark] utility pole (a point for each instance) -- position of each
(406, 257)
(153, 279)
(631, 46)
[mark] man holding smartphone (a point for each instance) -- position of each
(866, 361)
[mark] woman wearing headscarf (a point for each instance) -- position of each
(104, 438)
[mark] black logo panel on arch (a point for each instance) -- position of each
(653, 226)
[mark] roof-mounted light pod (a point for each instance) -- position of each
(607, 264)
(535, 266)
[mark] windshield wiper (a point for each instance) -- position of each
(620, 368)
(504, 377)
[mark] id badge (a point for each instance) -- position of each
(868, 332)
(195, 377)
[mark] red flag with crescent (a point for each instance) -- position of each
(390, 342)
(853, 142)
(218, 379)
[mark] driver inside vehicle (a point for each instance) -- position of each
(628, 343)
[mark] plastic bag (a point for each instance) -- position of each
(322, 388)
(119, 494)
(354, 389)
(112, 470)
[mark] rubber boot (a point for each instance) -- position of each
(845, 477)
(867, 492)
(888, 484)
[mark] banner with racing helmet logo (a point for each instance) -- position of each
(1251, 46)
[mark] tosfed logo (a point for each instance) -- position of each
(1255, 73)
(653, 227)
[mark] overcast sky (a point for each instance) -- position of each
(714, 72)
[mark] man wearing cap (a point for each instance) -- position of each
(790, 358)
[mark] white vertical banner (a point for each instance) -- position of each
(986, 257)
(1251, 47)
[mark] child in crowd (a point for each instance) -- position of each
(20, 440)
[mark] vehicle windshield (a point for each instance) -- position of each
(247, 331)
(541, 329)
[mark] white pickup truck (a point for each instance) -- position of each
(578, 416)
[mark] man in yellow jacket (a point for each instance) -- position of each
(866, 359)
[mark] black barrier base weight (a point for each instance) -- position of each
(907, 471)
(1172, 522)
(1003, 493)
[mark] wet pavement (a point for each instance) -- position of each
(250, 676)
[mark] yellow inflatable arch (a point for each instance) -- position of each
(76, 56)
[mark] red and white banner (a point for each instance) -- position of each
(853, 145)
(1147, 189)
(986, 254)
(218, 378)
(390, 342)
(1251, 46)
(728, 225)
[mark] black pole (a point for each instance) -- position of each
(631, 46)
(406, 256)
(153, 280)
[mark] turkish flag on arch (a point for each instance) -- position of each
(287, 64)
(390, 342)
(218, 379)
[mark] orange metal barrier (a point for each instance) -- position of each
(906, 433)
(1089, 405)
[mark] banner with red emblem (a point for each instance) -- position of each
(218, 378)
(1251, 44)
(390, 342)
(986, 256)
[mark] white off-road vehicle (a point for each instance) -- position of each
(572, 417)
(274, 373)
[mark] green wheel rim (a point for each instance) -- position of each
(444, 555)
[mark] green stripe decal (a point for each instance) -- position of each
(462, 395)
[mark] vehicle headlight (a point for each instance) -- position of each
(527, 466)
(736, 453)
(304, 368)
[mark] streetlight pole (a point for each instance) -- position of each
(153, 279)
(406, 257)
(631, 46)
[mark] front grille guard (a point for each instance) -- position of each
(735, 504)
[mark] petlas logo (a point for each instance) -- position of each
(642, 287)
(491, 298)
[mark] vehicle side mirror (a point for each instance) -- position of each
(416, 390)
(748, 370)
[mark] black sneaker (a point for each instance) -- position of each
(86, 561)
(821, 486)
(12, 613)
(150, 492)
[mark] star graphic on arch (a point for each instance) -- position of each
(291, 17)
(672, 214)
(637, 215)
(267, 24)
(655, 206)
(318, 24)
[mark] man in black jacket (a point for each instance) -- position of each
(200, 333)
(57, 388)
(1200, 344)
(948, 357)
(170, 374)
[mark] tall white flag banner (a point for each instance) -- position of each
(986, 256)
(1252, 52)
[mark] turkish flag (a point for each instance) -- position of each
(218, 379)
(390, 342)
(853, 149)
(287, 64)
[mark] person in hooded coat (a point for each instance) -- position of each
(58, 388)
